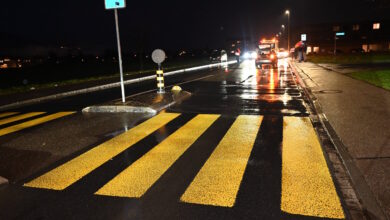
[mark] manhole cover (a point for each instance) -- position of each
(327, 91)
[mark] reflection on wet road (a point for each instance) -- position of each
(242, 147)
(253, 91)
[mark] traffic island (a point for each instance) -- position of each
(150, 102)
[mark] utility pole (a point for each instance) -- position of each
(288, 41)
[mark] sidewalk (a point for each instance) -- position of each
(360, 115)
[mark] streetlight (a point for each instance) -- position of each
(287, 12)
(282, 30)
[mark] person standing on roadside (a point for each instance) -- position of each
(294, 52)
(238, 53)
(302, 51)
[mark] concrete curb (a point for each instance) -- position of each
(361, 187)
(107, 86)
(118, 109)
(3, 181)
(143, 108)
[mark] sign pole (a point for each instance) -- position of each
(158, 56)
(335, 40)
(119, 55)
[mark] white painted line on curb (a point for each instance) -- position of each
(107, 86)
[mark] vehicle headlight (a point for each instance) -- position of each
(254, 55)
(247, 55)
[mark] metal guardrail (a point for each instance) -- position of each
(107, 86)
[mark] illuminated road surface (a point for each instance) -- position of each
(242, 147)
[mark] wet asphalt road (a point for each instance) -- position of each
(231, 138)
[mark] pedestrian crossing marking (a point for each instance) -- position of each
(20, 117)
(218, 182)
(307, 186)
(33, 122)
(70, 172)
(134, 181)
(6, 114)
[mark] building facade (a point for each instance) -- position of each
(368, 36)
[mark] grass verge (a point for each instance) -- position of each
(379, 78)
(39, 86)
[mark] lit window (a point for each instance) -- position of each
(376, 26)
(365, 47)
(356, 27)
(336, 28)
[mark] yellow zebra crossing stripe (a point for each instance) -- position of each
(20, 117)
(32, 123)
(307, 186)
(134, 181)
(218, 182)
(6, 114)
(68, 173)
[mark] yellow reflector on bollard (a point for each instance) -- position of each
(160, 81)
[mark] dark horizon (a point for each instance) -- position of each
(170, 25)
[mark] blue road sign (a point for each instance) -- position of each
(114, 4)
(340, 33)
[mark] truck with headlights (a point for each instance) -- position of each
(267, 53)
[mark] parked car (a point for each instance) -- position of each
(218, 56)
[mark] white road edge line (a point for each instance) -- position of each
(107, 86)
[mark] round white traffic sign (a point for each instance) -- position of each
(158, 56)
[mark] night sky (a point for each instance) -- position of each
(167, 24)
